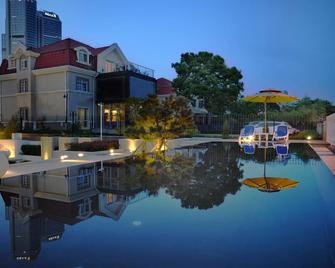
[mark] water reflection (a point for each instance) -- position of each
(39, 206)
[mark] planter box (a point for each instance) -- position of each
(16, 136)
(132, 145)
(88, 139)
(62, 141)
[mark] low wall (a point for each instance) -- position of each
(14, 146)
(330, 129)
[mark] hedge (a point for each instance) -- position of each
(94, 146)
(28, 149)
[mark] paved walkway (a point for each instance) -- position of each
(326, 156)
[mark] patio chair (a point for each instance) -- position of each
(281, 133)
(249, 148)
(247, 134)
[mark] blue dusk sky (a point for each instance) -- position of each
(286, 44)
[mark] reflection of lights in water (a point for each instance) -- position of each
(137, 223)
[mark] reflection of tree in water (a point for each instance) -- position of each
(198, 185)
(211, 180)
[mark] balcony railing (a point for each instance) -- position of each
(133, 67)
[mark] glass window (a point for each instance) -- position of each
(83, 56)
(83, 182)
(23, 64)
(23, 113)
(25, 181)
(23, 85)
(82, 84)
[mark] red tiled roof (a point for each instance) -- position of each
(4, 68)
(63, 53)
(59, 54)
(164, 87)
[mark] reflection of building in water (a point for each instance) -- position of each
(39, 205)
(116, 188)
(197, 153)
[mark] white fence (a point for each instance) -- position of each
(330, 137)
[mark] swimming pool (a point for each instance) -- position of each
(190, 210)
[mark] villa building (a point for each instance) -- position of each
(68, 82)
(165, 90)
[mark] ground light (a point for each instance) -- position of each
(111, 151)
(63, 157)
(309, 138)
(81, 155)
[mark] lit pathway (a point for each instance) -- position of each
(326, 155)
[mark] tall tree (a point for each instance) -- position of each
(206, 76)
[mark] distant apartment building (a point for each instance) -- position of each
(165, 89)
(63, 83)
(25, 25)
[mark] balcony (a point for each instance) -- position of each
(132, 67)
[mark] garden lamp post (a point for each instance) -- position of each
(100, 105)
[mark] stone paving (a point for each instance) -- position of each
(326, 156)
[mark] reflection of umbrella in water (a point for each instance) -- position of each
(270, 184)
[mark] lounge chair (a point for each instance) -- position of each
(281, 133)
(247, 134)
(249, 148)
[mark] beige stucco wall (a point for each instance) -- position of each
(330, 125)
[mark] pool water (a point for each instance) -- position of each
(189, 210)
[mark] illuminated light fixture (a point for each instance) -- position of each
(111, 151)
(63, 157)
(81, 155)
(309, 138)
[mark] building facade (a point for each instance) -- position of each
(25, 25)
(49, 28)
(165, 90)
(62, 84)
(20, 24)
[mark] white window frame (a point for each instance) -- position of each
(83, 79)
(23, 86)
(23, 64)
(83, 51)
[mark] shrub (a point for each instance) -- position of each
(302, 135)
(12, 127)
(31, 149)
(94, 146)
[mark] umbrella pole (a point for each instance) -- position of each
(265, 126)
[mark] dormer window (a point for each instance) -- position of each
(83, 55)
